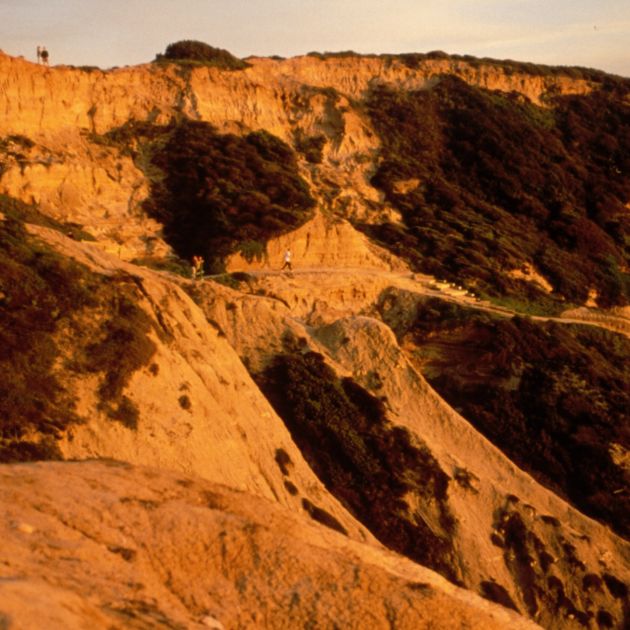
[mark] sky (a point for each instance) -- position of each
(107, 33)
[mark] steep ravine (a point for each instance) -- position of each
(514, 541)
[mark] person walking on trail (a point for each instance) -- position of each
(287, 260)
(197, 267)
(44, 55)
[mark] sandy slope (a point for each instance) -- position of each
(107, 545)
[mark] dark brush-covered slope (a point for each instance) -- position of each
(503, 182)
(554, 397)
(216, 193)
(45, 299)
(370, 465)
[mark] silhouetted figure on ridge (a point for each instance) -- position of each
(44, 55)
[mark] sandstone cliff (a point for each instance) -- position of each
(201, 418)
(200, 413)
(63, 109)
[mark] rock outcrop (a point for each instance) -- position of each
(109, 545)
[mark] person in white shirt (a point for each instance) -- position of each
(287, 260)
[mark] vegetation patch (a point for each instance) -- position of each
(509, 66)
(311, 147)
(195, 53)
(497, 593)
(553, 397)
(370, 465)
(29, 213)
(504, 183)
(173, 264)
(123, 347)
(546, 596)
(14, 148)
(283, 460)
(217, 194)
(39, 291)
(323, 517)
(46, 298)
(616, 587)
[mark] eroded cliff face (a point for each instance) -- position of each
(511, 537)
(75, 176)
(201, 412)
(39, 100)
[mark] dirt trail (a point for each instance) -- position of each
(426, 285)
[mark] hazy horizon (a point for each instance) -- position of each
(580, 33)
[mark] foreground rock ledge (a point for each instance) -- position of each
(103, 544)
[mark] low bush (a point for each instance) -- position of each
(44, 295)
(30, 213)
(311, 147)
(323, 517)
(123, 348)
(199, 53)
(216, 194)
(497, 593)
(221, 193)
(172, 264)
(39, 291)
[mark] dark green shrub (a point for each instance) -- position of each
(323, 517)
(215, 193)
(171, 264)
(615, 586)
(218, 192)
(12, 451)
(123, 348)
(39, 292)
(553, 397)
(43, 295)
(124, 410)
(252, 250)
(28, 213)
(497, 593)
(503, 182)
(367, 463)
(201, 54)
(283, 460)
(311, 147)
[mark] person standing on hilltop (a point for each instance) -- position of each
(39, 54)
(287, 260)
(44, 55)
